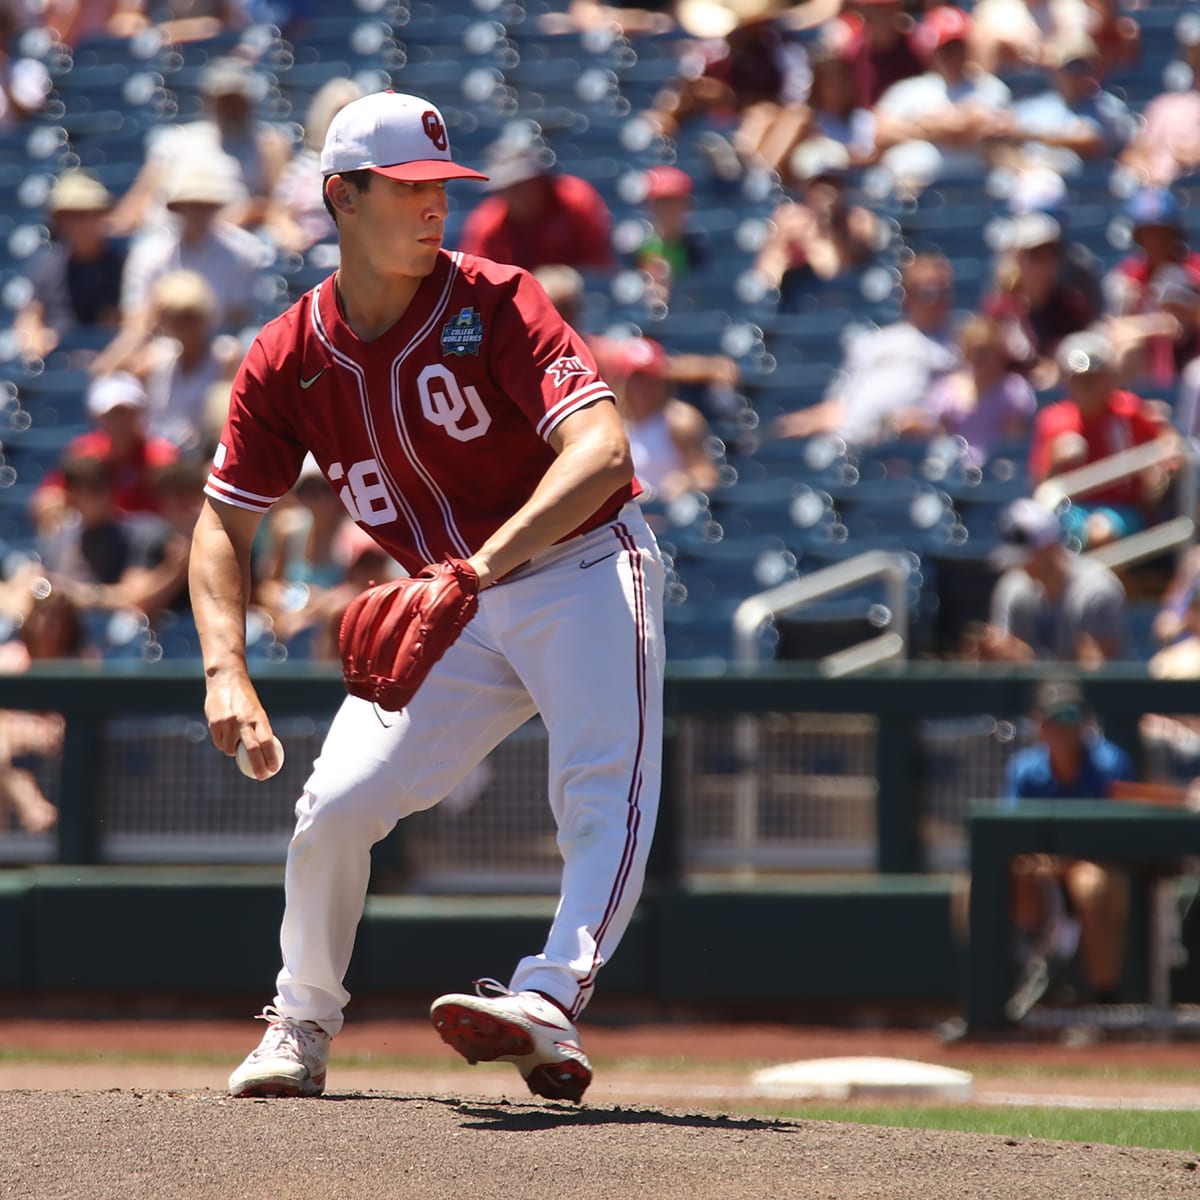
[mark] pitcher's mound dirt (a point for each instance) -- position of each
(125, 1145)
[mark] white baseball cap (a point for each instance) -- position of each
(402, 137)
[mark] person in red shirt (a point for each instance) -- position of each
(454, 414)
(1097, 419)
(117, 402)
(536, 216)
(1157, 230)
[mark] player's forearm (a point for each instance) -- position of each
(579, 481)
(218, 576)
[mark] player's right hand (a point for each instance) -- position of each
(235, 714)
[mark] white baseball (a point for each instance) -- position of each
(243, 759)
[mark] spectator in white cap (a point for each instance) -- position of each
(1097, 419)
(228, 129)
(1049, 604)
(536, 215)
(77, 278)
(821, 234)
(117, 404)
(1035, 296)
(199, 239)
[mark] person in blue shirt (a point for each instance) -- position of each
(1070, 760)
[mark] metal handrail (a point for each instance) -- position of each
(1053, 491)
(1176, 533)
(755, 611)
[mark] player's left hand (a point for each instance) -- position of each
(392, 634)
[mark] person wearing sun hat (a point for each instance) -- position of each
(198, 238)
(76, 279)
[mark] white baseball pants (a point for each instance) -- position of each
(575, 636)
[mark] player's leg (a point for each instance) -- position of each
(584, 631)
(374, 768)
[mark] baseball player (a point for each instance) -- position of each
(465, 427)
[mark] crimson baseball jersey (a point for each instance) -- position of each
(434, 433)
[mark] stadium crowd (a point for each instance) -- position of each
(861, 272)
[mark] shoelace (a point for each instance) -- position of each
(492, 987)
(284, 1030)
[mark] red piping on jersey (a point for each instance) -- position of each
(633, 818)
(360, 379)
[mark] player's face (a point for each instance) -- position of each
(402, 224)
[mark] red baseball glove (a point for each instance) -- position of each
(392, 634)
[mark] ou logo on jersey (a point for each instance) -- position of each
(435, 131)
(458, 410)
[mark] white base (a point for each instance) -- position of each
(862, 1078)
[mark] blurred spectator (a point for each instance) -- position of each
(77, 278)
(876, 38)
(24, 82)
(535, 216)
(986, 403)
(1172, 619)
(564, 286)
(1048, 603)
(75, 21)
(1010, 34)
(1058, 902)
(104, 559)
(749, 76)
(50, 629)
(118, 405)
(835, 109)
(360, 563)
(667, 438)
(1167, 142)
(178, 359)
(671, 251)
(1157, 230)
(888, 373)
(1037, 295)
(1154, 348)
(1179, 617)
(296, 216)
(1117, 35)
(821, 235)
(201, 240)
(1095, 420)
(229, 130)
(946, 121)
(1074, 121)
(302, 566)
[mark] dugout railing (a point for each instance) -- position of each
(892, 759)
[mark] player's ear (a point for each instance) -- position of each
(339, 193)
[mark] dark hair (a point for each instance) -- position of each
(360, 180)
(87, 471)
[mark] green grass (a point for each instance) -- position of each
(1158, 1130)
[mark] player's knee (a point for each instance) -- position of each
(343, 812)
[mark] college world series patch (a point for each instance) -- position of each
(463, 333)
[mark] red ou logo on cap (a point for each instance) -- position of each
(435, 131)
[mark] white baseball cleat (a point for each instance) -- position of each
(523, 1028)
(289, 1061)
